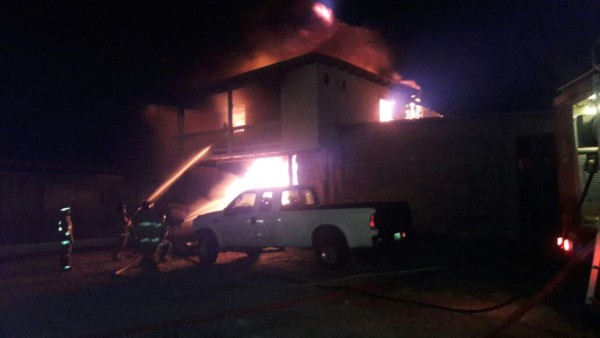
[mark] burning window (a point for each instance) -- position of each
(390, 111)
(386, 110)
(413, 109)
(239, 117)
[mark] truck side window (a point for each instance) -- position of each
(266, 201)
(308, 197)
(290, 200)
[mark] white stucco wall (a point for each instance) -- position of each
(299, 112)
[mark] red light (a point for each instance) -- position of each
(372, 224)
(564, 243)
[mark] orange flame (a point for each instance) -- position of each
(323, 12)
(262, 173)
(357, 45)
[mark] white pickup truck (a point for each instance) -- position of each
(291, 216)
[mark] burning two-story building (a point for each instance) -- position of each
(358, 136)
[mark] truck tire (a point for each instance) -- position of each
(331, 249)
(253, 253)
(207, 249)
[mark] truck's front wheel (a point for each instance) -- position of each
(207, 248)
(331, 250)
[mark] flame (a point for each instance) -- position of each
(277, 33)
(386, 110)
(161, 190)
(261, 173)
(319, 32)
(324, 13)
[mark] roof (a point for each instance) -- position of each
(587, 76)
(283, 67)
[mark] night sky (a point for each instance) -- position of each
(74, 72)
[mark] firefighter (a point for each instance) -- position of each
(149, 226)
(123, 226)
(66, 239)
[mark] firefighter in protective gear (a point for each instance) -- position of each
(123, 226)
(150, 230)
(65, 237)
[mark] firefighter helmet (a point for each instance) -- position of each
(65, 210)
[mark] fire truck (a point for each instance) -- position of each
(577, 109)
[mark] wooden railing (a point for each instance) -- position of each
(237, 140)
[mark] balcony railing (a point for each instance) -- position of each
(237, 140)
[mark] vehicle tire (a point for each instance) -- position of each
(207, 249)
(253, 253)
(331, 249)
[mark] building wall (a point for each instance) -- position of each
(459, 175)
(29, 205)
(299, 111)
(348, 99)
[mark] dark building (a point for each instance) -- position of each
(31, 195)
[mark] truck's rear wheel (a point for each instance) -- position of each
(207, 248)
(253, 253)
(331, 250)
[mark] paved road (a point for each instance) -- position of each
(407, 294)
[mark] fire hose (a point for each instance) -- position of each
(551, 286)
(591, 167)
(326, 285)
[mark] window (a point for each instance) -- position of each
(296, 199)
(266, 201)
(309, 197)
(245, 200)
(290, 199)
(386, 110)
(239, 117)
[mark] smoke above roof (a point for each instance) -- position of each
(274, 33)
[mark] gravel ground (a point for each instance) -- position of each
(408, 294)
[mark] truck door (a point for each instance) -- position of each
(239, 219)
(263, 222)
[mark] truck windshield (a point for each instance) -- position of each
(245, 200)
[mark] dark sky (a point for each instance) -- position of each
(73, 71)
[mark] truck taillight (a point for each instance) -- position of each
(567, 245)
(564, 243)
(372, 224)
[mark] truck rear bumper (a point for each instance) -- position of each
(382, 240)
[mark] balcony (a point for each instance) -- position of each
(243, 140)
